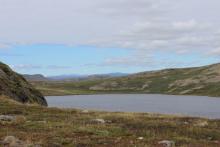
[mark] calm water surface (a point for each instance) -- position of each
(166, 104)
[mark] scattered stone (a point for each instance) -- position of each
(167, 143)
(201, 124)
(11, 141)
(85, 111)
(185, 123)
(7, 118)
(145, 86)
(140, 138)
(12, 119)
(216, 142)
(101, 121)
(42, 122)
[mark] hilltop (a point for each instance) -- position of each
(71, 77)
(14, 86)
(35, 77)
(181, 81)
(199, 81)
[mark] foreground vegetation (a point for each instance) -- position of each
(70, 127)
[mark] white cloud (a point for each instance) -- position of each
(4, 46)
(142, 25)
(54, 67)
(32, 67)
(26, 67)
(192, 24)
(137, 60)
(215, 52)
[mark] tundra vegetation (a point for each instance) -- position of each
(37, 125)
(33, 124)
(186, 81)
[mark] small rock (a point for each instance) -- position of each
(85, 111)
(102, 121)
(7, 118)
(42, 122)
(185, 123)
(108, 121)
(140, 138)
(167, 143)
(11, 141)
(12, 119)
(201, 124)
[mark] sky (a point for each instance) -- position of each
(56, 37)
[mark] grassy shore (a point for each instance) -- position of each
(74, 88)
(159, 86)
(70, 127)
(203, 81)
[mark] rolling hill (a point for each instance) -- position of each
(181, 81)
(36, 77)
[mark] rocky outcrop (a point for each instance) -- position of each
(14, 86)
(11, 141)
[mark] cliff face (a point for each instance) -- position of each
(17, 88)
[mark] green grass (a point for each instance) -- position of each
(70, 127)
(158, 82)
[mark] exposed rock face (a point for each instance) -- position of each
(7, 118)
(11, 141)
(17, 88)
(167, 143)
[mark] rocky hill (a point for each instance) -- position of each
(14, 86)
(183, 81)
(198, 80)
(36, 77)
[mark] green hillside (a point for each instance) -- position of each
(185, 81)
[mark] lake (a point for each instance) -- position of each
(200, 106)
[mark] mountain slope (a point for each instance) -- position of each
(14, 86)
(36, 77)
(184, 81)
(75, 77)
(199, 80)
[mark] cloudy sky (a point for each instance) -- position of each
(55, 37)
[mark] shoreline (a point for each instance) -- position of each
(73, 127)
(134, 94)
(123, 103)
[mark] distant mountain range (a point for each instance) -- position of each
(72, 77)
(36, 77)
(203, 80)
